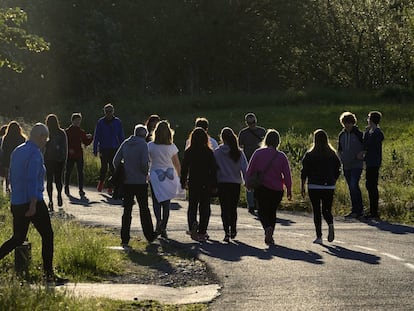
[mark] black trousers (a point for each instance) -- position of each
(198, 202)
(106, 156)
(268, 201)
(321, 200)
(69, 167)
(371, 183)
(54, 173)
(140, 192)
(229, 195)
(41, 222)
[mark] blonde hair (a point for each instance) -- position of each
(163, 133)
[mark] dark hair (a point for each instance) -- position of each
(347, 117)
(201, 122)
(375, 116)
(152, 122)
(272, 139)
(229, 138)
(52, 123)
(163, 134)
(3, 129)
(321, 144)
(13, 132)
(198, 138)
(76, 115)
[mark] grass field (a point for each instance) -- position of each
(296, 115)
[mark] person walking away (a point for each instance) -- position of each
(151, 123)
(232, 166)
(133, 154)
(199, 166)
(107, 138)
(275, 168)
(250, 138)
(14, 137)
(350, 145)
(203, 123)
(321, 167)
(56, 153)
(165, 170)
(3, 129)
(27, 174)
(372, 154)
(76, 137)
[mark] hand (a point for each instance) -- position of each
(361, 155)
(95, 153)
(88, 136)
(31, 211)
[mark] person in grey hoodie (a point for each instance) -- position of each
(232, 165)
(350, 147)
(133, 152)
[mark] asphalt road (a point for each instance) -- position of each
(369, 266)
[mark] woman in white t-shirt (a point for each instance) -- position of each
(164, 173)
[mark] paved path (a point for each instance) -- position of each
(369, 266)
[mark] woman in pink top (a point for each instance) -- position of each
(276, 177)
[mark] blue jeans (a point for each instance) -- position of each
(251, 201)
(352, 177)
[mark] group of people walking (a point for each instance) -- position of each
(149, 159)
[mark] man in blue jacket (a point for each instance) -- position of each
(109, 135)
(27, 174)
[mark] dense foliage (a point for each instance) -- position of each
(126, 49)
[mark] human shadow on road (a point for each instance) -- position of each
(80, 201)
(284, 222)
(295, 254)
(109, 200)
(344, 253)
(233, 251)
(393, 228)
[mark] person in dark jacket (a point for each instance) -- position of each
(373, 138)
(199, 166)
(133, 152)
(76, 137)
(350, 146)
(14, 137)
(321, 168)
(56, 153)
(109, 135)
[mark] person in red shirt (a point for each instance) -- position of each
(76, 136)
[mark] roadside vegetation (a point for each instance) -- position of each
(81, 254)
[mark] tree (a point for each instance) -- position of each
(14, 39)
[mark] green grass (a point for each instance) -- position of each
(81, 254)
(296, 114)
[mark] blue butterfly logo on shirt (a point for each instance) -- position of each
(169, 173)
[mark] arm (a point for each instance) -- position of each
(96, 138)
(118, 157)
(287, 178)
(176, 163)
(33, 167)
(184, 170)
(243, 165)
(86, 139)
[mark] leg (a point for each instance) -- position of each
(251, 202)
(234, 196)
(126, 216)
(352, 177)
(315, 198)
(79, 167)
(69, 167)
(327, 199)
(141, 193)
(372, 175)
(225, 207)
(157, 211)
(193, 202)
(58, 174)
(20, 227)
(205, 211)
(41, 222)
(49, 180)
(104, 165)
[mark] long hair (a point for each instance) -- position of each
(229, 138)
(321, 145)
(52, 123)
(14, 131)
(198, 139)
(163, 133)
(152, 121)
